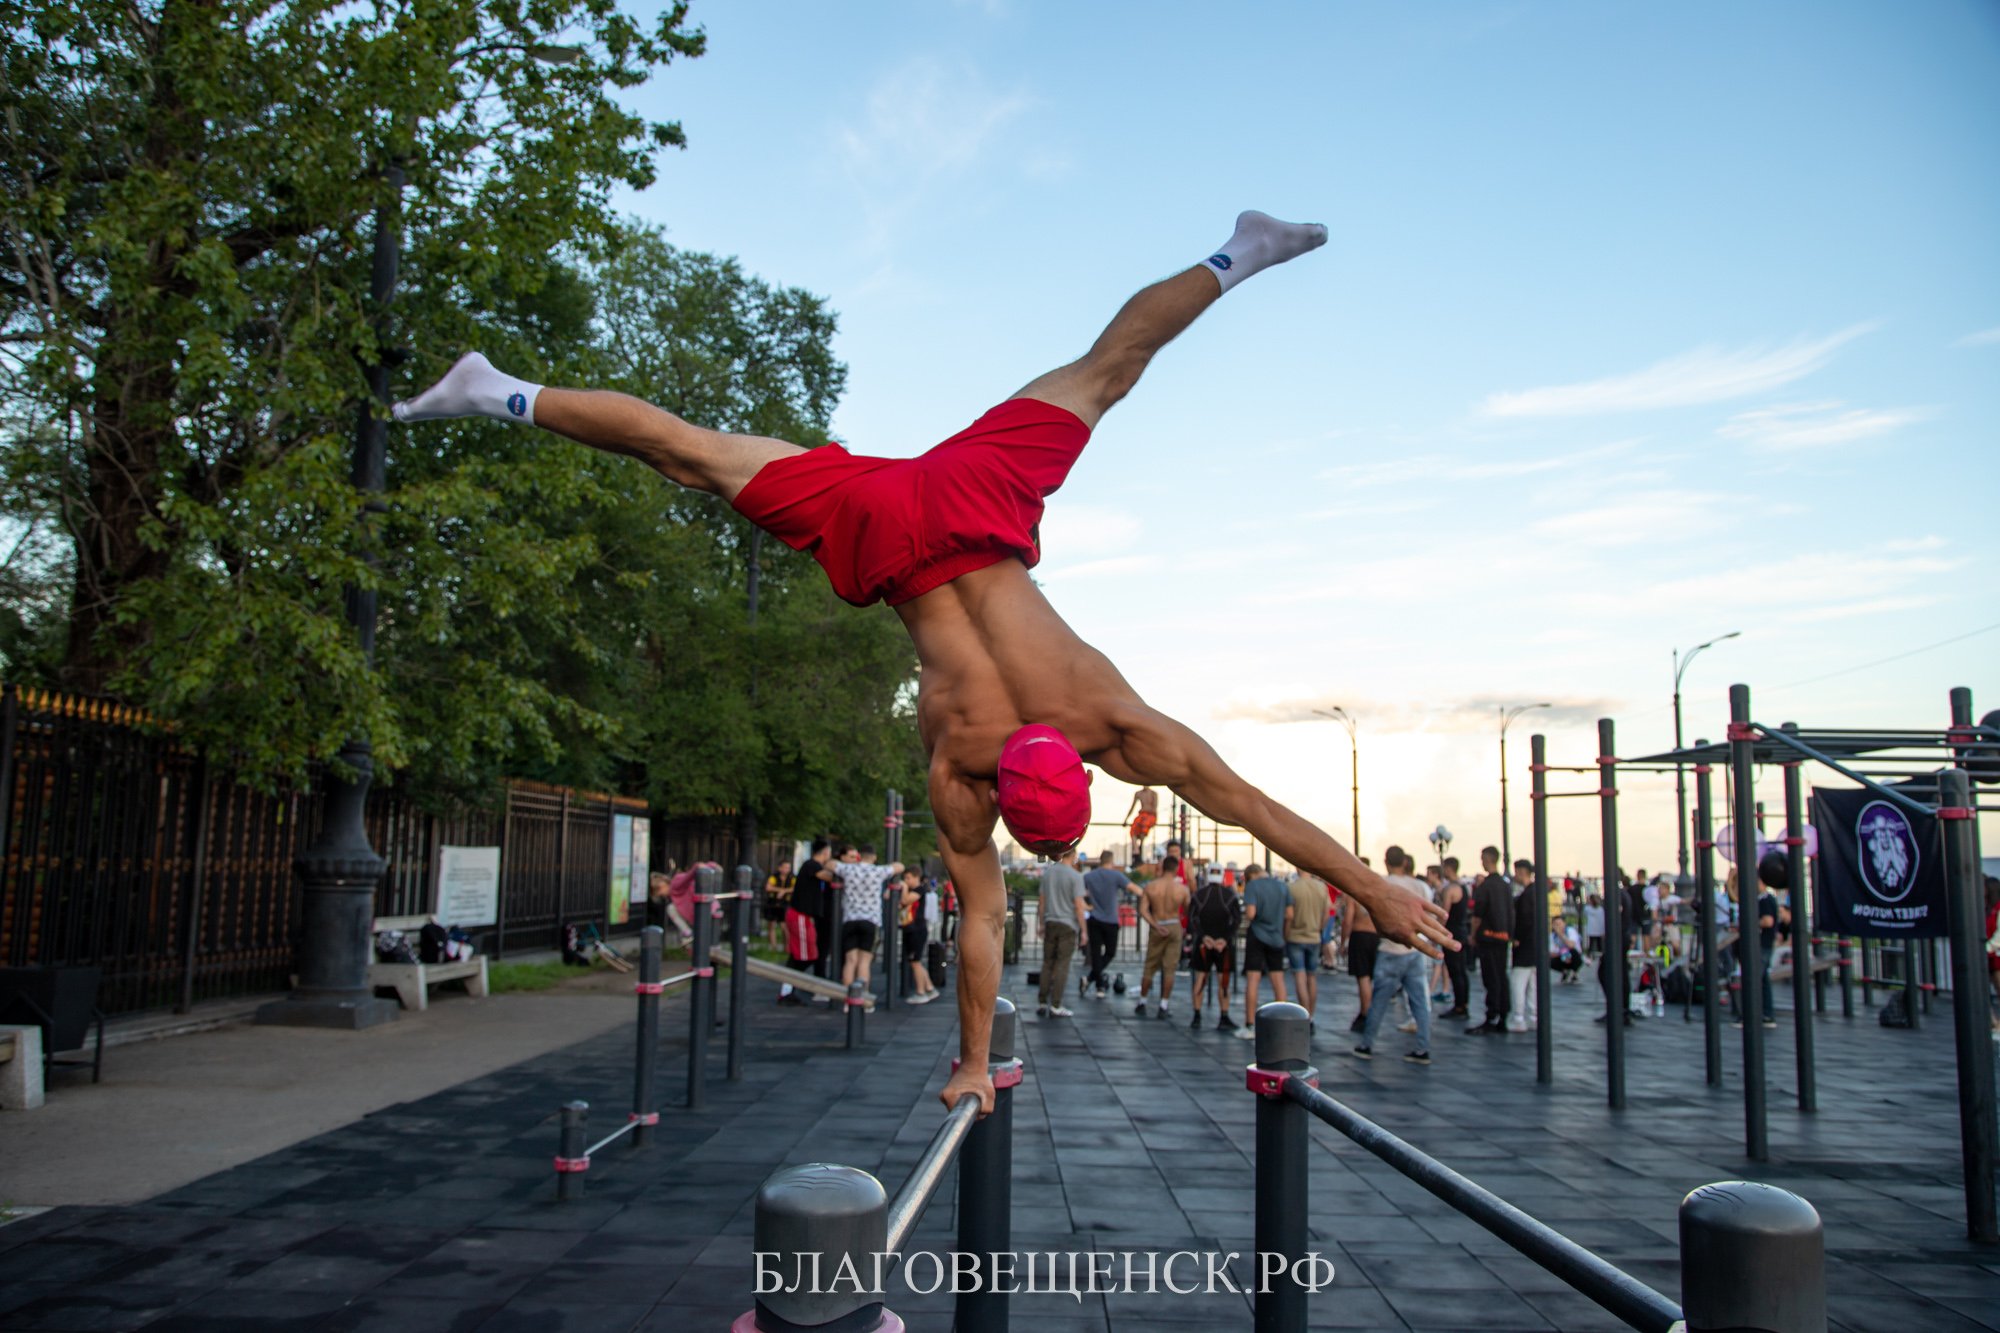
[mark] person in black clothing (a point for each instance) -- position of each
(806, 916)
(1632, 913)
(1458, 920)
(1215, 911)
(1492, 933)
(1767, 936)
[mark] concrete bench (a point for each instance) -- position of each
(412, 981)
(20, 1068)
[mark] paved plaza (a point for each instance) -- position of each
(1131, 1134)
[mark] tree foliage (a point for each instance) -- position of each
(190, 200)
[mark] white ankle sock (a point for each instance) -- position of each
(1261, 241)
(472, 388)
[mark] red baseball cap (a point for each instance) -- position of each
(1044, 789)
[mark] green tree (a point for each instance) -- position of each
(184, 249)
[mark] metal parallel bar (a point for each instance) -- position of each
(739, 979)
(1612, 1288)
(928, 1173)
(1979, 1139)
(612, 1137)
(1544, 1000)
(1802, 949)
(1705, 898)
(1749, 947)
(1792, 742)
(1617, 988)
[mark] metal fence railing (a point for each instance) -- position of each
(1752, 1256)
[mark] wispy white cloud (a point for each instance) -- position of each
(1866, 607)
(1644, 517)
(1111, 564)
(1811, 425)
(1983, 338)
(1410, 469)
(1704, 375)
(1801, 583)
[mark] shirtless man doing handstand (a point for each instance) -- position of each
(1012, 703)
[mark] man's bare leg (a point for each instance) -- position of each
(696, 457)
(1156, 315)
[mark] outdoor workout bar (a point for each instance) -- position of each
(811, 1220)
(1752, 1256)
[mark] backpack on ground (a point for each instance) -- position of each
(934, 962)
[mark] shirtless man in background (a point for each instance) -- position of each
(1011, 703)
(1160, 904)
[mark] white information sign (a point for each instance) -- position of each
(468, 886)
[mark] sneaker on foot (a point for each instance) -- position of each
(1418, 1057)
(1360, 1022)
(1140, 1008)
(1248, 1034)
(1407, 1025)
(1162, 1012)
(1364, 1053)
(1195, 1022)
(1060, 1012)
(1041, 1011)
(1224, 1023)
(1770, 1022)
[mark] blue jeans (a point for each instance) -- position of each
(1408, 972)
(1301, 957)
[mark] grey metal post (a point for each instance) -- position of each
(1963, 878)
(1706, 898)
(1618, 1001)
(986, 1183)
(571, 1162)
(857, 1015)
(739, 972)
(701, 991)
(1846, 978)
(1749, 948)
(890, 903)
(1284, 1050)
(1538, 799)
(645, 1065)
(1802, 949)
(811, 1222)
(1753, 1257)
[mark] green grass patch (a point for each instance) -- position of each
(502, 978)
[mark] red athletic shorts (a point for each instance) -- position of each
(891, 529)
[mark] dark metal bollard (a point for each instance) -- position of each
(701, 996)
(1618, 991)
(857, 1015)
(645, 1067)
(1964, 883)
(571, 1161)
(891, 908)
(1749, 947)
(1706, 897)
(813, 1223)
(1753, 1260)
(1846, 979)
(739, 972)
(986, 1183)
(1284, 1049)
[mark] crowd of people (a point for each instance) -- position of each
(1239, 934)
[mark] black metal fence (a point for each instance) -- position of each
(120, 849)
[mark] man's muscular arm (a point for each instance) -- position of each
(965, 815)
(1153, 748)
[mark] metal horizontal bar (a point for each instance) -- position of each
(1793, 743)
(1616, 1290)
(675, 981)
(908, 1205)
(612, 1137)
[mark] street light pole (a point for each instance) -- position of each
(1681, 661)
(1346, 719)
(1507, 715)
(340, 870)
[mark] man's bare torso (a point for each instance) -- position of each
(1164, 899)
(996, 657)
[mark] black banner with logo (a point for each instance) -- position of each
(1881, 867)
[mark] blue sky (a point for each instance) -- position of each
(1637, 326)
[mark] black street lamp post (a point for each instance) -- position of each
(1507, 715)
(1681, 660)
(340, 869)
(1346, 719)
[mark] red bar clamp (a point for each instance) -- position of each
(650, 1118)
(704, 971)
(571, 1165)
(1271, 1082)
(649, 987)
(1742, 731)
(1954, 812)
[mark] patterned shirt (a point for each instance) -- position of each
(861, 890)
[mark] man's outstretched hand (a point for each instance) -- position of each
(973, 1079)
(1408, 919)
